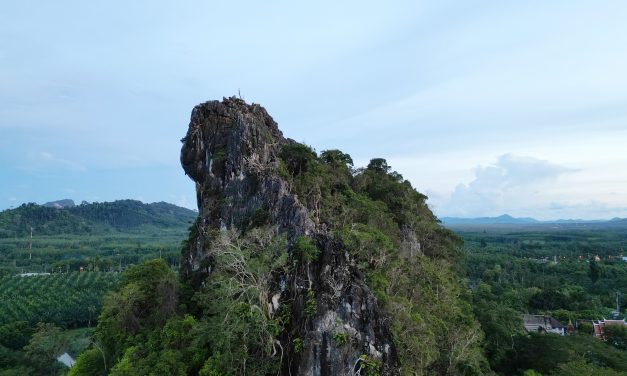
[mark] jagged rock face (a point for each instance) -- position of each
(231, 151)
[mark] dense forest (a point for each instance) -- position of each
(572, 273)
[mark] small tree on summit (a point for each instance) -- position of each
(297, 158)
(379, 165)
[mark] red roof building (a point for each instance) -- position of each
(598, 326)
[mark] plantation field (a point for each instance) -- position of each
(69, 300)
(100, 252)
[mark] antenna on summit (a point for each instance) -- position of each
(239, 94)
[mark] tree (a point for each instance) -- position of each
(336, 158)
(46, 344)
(146, 299)
(379, 165)
(89, 362)
(297, 158)
(15, 335)
(616, 335)
(500, 323)
(593, 270)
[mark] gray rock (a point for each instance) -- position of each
(60, 204)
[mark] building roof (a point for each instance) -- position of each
(542, 320)
(66, 359)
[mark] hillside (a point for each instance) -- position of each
(92, 218)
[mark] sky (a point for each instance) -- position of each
(488, 107)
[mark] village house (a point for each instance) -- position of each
(543, 324)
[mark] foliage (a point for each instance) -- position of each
(304, 249)
(15, 335)
(531, 372)
(235, 302)
(311, 306)
(168, 350)
(89, 362)
(370, 247)
(336, 158)
(297, 158)
(593, 270)
(34, 349)
(259, 218)
(368, 366)
(297, 345)
(340, 338)
(500, 323)
(45, 345)
(546, 353)
(616, 335)
(145, 300)
(142, 332)
(581, 367)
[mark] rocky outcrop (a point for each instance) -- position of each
(60, 204)
(231, 151)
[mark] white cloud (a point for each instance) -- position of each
(46, 160)
(511, 184)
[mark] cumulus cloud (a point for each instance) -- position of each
(510, 183)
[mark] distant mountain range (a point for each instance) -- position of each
(64, 217)
(507, 219)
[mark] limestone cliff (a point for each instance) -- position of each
(232, 151)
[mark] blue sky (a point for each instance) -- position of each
(487, 107)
